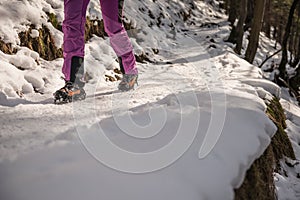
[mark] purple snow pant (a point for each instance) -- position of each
(74, 26)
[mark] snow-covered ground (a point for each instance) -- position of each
(287, 182)
(190, 130)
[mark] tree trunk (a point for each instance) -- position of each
(240, 26)
(280, 33)
(233, 14)
(238, 31)
(225, 5)
(255, 30)
(290, 44)
(296, 45)
(297, 55)
(274, 35)
(284, 59)
(267, 19)
(250, 14)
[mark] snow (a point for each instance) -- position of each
(222, 169)
(17, 17)
(190, 130)
(34, 33)
(287, 181)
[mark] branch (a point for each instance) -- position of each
(292, 90)
(260, 66)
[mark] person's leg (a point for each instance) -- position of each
(73, 49)
(119, 40)
(73, 28)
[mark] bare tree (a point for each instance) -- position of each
(233, 11)
(237, 32)
(267, 18)
(284, 59)
(255, 30)
(240, 26)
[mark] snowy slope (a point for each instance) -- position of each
(245, 134)
(287, 181)
(190, 130)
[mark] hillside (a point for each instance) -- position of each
(202, 124)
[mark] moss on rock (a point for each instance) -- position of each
(6, 48)
(281, 144)
(43, 44)
(259, 181)
(94, 27)
(52, 18)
